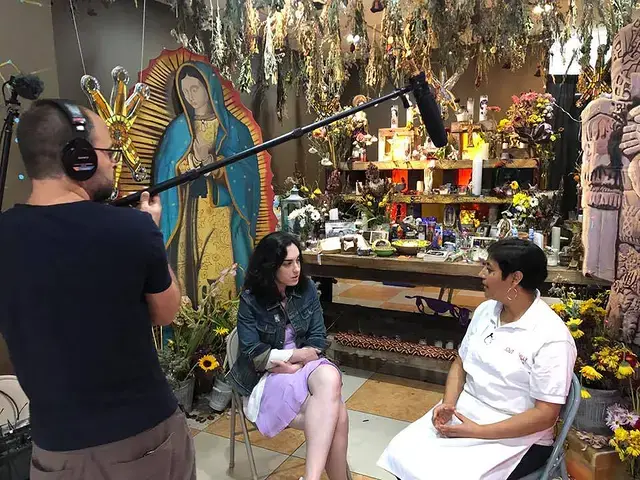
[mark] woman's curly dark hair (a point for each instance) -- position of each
(267, 258)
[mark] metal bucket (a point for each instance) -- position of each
(184, 393)
(592, 412)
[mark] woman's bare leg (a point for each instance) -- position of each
(337, 460)
(319, 418)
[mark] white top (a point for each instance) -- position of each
(511, 366)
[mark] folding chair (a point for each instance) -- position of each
(557, 459)
(237, 408)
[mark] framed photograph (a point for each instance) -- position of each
(339, 229)
(372, 235)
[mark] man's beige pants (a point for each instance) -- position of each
(164, 452)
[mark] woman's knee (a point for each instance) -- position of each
(326, 380)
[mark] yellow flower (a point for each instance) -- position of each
(304, 189)
(624, 370)
(208, 363)
(590, 373)
(317, 192)
(369, 204)
(222, 331)
(584, 394)
(514, 185)
(574, 327)
(621, 435)
(559, 308)
(476, 223)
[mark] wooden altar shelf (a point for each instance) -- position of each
(440, 164)
(415, 271)
(439, 199)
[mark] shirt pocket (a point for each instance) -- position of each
(266, 331)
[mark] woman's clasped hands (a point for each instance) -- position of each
(442, 416)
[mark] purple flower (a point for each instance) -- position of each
(618, 416)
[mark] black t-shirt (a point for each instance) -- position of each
(73, 279)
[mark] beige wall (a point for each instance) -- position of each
(26, 37)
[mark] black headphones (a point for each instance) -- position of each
(79, 158)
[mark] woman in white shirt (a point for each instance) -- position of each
(504, 392)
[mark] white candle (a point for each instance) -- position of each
(555, 238)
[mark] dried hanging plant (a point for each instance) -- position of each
(303, 48)
(270, 62)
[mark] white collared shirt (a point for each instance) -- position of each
(511, 366)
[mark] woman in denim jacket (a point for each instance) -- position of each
(280, 367)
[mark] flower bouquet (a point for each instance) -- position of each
(332, 143)
(305, 221)
(374, 203)
(198, 334)
(625, 424)
(603, 362)
(531, 208)
(530, 117)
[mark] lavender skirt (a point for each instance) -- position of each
(284, 393)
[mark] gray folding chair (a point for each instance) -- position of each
(557, 463)
(237, 408)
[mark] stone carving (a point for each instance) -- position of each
(610, 178)
(602, 184)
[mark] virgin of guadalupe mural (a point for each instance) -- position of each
(213, 222)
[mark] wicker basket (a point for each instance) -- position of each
(184, 393)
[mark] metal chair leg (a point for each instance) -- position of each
(232, 433)
(563, 469)
(247, 441)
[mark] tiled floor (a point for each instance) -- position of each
(379, 407)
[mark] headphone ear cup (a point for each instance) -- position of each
(79, 159)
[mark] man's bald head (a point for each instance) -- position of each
(43, 131)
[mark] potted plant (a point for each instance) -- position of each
(197, 342)
(603, 363)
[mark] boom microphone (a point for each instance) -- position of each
(26, 86)
(429, 110)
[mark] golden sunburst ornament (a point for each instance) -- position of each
(119, 117)
(208, 363)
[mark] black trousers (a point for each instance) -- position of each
(534, 459)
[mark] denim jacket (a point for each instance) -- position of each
(261, 329)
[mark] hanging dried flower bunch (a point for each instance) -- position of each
(449, 33)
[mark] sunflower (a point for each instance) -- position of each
(208, 363)
(590, 373)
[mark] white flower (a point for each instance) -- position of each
(533, 202)
(315, 216)
(302, 222)
(313, 150)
